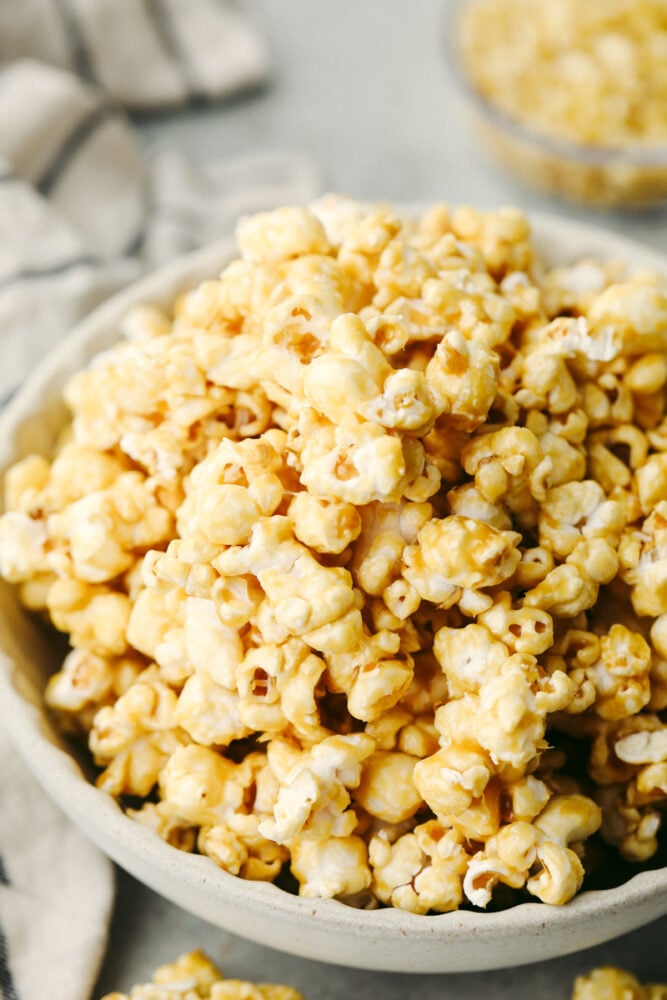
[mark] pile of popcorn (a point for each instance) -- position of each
(193, 976)
(356, 546)
(592, 72)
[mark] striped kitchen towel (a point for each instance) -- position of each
(143, 53)
(56, 892)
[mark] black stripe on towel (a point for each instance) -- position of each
(34, 274)
(160, 18)
(136, 243)
(7, 987)
(77, 138)
(77, 46)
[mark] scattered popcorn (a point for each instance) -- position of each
(193, 976)
(346, 543)
(610, 983)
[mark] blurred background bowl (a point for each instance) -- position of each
(631, 177)
(325, 929)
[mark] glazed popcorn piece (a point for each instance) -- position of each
(420, 871)
(346, 543)
(334, 868)
(629, 762)
(542, 854)
(510, 464)
(314, 795)
(454, 557)
(610, 983)
(643, 555)
(194, 977)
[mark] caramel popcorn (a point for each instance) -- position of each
(350, 542)
(193, 976)
(610, 983)
(540, 854)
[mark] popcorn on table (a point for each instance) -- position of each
(348, 545)
(193, 976)
(610, 983)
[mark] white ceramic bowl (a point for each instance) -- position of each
(387, 939)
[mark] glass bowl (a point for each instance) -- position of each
(632, 177)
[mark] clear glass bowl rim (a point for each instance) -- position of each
(649, 155)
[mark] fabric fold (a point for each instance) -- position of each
(56, 894)
(145, 54)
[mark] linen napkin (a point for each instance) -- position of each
(144, 53)
(83, 212)
(56, 893)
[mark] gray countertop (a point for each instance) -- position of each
(364, 90)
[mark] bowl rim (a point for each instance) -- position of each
(639, 155)
(144, 854)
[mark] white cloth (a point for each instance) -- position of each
(143, 53)
(82, 212)
(56, 892)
